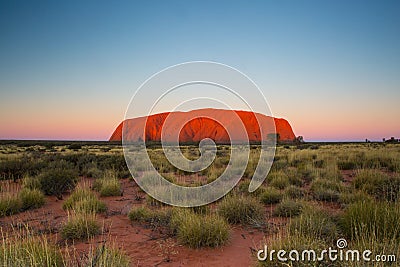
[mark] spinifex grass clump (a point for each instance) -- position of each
(192, 229)
(159, 217)
(240, 209)
(84, 200)
(80, 226)
(288, 208)
(271, 196)
(314, 223)
(378, 184)
(198, 231)
(107, 255)
(31, 198)
(9, 205)
(326, 190)
(372, 219)
(27, 249)
(294, 192)
(25, 199)
(279, 180)
(108, 185)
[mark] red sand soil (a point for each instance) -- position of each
(141, 244)
(196, 125)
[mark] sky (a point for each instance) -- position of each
(68, 69)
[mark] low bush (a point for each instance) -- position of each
(245, 210)
(378, 184)
(197, 231)
(326, 190)
(84, 200)
(279, 180)
(31, 198)
(58, 178)
(108, 185)
(294, 192)
(314, 223)
(371, 219)
(9, 205)
(288, 208)
(108, 255)
(271, 196)
(80, 226)
(29, 250)
(160, 217)
(30, 182)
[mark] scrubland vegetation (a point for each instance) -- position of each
(317, 194)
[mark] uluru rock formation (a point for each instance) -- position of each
(195, 125)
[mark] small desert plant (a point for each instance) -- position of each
(378, 184)
(326, 190)
(198, 231)
(84, 200)
(30, 182)
(294, 192)
(139, 214)
(107, 255)
(279, 180)
(353, 197)
(370, 218)
(271, 196)
(288, 208)
(9, 205)
(160, 217)
(108, 185)
(29, 250)
(314, 223)
(245, 210)
(80, 226)
(31, 198)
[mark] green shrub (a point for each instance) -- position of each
(84, 200)
(346, 165)
(198, 231)
(314, 223)
(160, 217)
(30, 182)
(108, 185)
(326, 190)
(288, 208)
(29, 250)
(245, 210)
(9, 205)
(279, 180)
(31, 198)
(294, 192)
(353, 197)
(378, 184)
(371, 219)
(105, 256)
(80, 226)
(139, 214)
(58, 178)
(271, 196)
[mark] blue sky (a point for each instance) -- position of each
(68, 69)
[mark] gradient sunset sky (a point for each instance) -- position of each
(68, 69)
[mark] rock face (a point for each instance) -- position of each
(195, 125)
